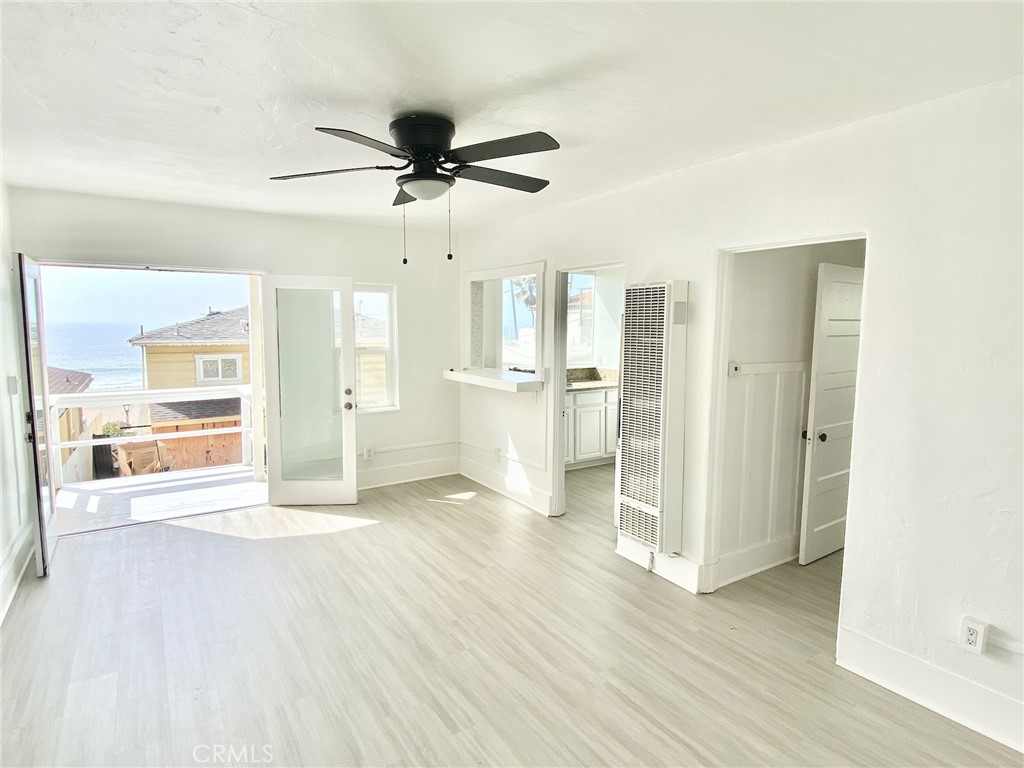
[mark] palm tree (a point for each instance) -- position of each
(524, 289)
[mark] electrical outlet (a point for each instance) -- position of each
(368, 453)
(973, 634)
(497, 454)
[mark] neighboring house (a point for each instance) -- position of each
(76, 463)
(208, 351)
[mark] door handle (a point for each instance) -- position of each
(348, 406)
(823, 436)
(804, 434)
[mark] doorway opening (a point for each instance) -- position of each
(588, 347)
(785, 388)
(150, 384)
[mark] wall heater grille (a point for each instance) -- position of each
(642, 524)
(639, 483)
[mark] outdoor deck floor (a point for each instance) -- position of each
(99, 504)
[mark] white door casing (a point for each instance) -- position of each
(309, 353)
(830, 410)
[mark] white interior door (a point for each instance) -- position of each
(830, 410)
(310, 363)
(37, 410)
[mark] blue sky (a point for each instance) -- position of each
(135, 296)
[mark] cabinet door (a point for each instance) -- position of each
(611, 429)
(589, 432)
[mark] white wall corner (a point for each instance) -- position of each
(498, 478)
(15, 563)
(981, 709)
(674, 568)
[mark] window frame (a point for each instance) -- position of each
(390, 351)
(470, 332)
(201, 380)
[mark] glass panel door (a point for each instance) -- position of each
(310, 359)
(37, 410)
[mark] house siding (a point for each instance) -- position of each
(171, 367)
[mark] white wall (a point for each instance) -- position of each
(935, 499)
(16, 531)
(421, 439)
(771, 327)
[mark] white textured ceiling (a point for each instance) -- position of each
(201, 102)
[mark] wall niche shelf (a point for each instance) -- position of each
(495, 378)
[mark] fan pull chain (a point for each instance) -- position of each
(405, 255)
(450, 257)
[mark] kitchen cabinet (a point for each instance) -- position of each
(590, 425)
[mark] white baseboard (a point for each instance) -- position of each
(570, 466)
(406, 463)
(497, 480)
(14, 567)
(407, 472)
(739, 565)
(981, 709)
(676, 569)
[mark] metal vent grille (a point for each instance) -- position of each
(639, 523)
(642, 404)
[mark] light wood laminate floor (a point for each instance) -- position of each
(436, 623)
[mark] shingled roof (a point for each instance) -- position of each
(67, 381)
(229, 407)
(228, 327)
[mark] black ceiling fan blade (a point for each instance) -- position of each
(366, 141)
(501, 178)
(513, 145)
(329, 173)
(403, 197)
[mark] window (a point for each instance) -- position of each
(376, 348)
(211, 369)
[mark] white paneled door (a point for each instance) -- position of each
(309, 349)
(830, 411)
(37, 410)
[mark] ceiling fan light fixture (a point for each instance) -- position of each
(425, 187)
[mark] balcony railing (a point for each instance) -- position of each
(131, 397)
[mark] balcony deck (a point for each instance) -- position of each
(98, 504)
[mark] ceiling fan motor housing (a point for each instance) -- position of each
(423, 136)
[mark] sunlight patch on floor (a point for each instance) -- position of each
(455, 498)
(272, 523)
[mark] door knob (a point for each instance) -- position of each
(823, 436)
(348, 406)
(348, 391)
(804, 434)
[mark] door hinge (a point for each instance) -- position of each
(30, 438)
(28, 418)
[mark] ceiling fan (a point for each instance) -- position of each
(424, 142)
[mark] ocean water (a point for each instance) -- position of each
(101, 349)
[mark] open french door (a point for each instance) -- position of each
(309, 347)
(830, 411)
(37, 409)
